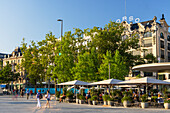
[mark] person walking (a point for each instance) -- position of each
(22, 93)
(27, 92)
(31, 93)
(48, 99)
(38, 97)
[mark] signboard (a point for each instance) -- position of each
(125, 18)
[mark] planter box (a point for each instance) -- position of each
(126, 104)
(77, 101)
(81, 101)
(94, 103)
(110, 103)
(105, 102)
(144, 105)
(89, 102)
(167, 105)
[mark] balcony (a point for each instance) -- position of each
(148, 45)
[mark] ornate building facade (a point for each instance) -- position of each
(15, 59)
(154, 38)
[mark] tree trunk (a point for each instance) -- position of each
(55, 86)
(49, 85)
(35, 87)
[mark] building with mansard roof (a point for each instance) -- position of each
(154, 38)
(15, 59)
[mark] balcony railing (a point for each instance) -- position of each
(148, 45)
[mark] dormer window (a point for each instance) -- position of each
(168, 38)
(162, 35)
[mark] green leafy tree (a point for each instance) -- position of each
(31, 63)
(7, 75)
(150, 58)
(110, 39)
(47, 49)
(118, 69)
(65, 61)
(87, 67)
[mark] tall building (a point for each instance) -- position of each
(154, 38)
(15, 59)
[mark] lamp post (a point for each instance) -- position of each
(109, 70)
(61, 27)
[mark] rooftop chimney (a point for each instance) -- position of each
(162, 17)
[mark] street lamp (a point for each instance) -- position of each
(61, 27)
(109, 70)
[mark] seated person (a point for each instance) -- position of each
(88, 96)
(100, 96)
(62, 97)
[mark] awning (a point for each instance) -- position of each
(75, 82)
(145, 80)
(107, 82)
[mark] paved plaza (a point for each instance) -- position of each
(21, 105)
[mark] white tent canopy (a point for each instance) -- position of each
(107, 82)
(75, 82)
(145, 80)
(167, 80)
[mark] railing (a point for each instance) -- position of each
(148, 45)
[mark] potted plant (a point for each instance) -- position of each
(94, 99)
(89, 101)
(126, 101)
(57, 95)
(144, 99)
(110, 101)
(77, 99)
(69, 95)
(167, 104)
(105, 99)
(81, 99)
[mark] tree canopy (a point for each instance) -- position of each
(78, 57)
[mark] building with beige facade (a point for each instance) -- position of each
(15, 59)
(154, 38)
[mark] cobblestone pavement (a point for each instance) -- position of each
(21, 105)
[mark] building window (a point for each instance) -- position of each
(148, 74)
(162, 35)
(168, 46)
(147, 34)
(162, 53)
(169, 56)
(161, 77)
(162, 44)
(168, 38)
(147, 43)
(18, 61)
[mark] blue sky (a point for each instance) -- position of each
(32, 19)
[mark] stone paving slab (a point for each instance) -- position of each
(22, 105)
